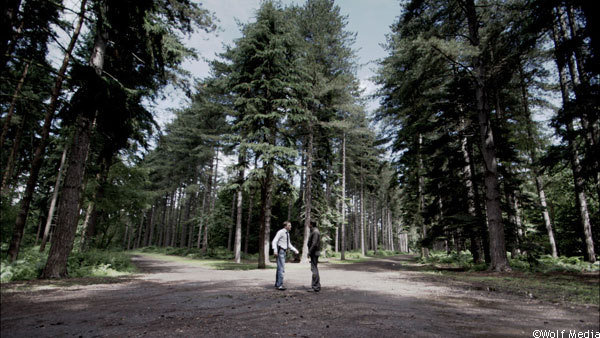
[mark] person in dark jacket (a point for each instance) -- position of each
(314, 251)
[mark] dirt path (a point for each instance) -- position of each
(382, 297)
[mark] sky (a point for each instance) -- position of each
(369, 19)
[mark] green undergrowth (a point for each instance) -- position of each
(542, 264)
(92, 263)
(553, 287)
(557, 280)
(357, 257)
(216, 258)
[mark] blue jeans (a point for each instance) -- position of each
(280, 267)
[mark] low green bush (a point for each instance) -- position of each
(195, 253)
(93, 263)
(29, 266)
(99, 263)
(462, 259)
(547, 263)
(527, 263)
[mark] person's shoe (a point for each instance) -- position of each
(313, 290)
(282, 288)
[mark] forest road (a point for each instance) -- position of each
(382, 297)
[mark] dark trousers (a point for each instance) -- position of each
(316, 281)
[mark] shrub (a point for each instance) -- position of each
(99, 263)
(28, 266)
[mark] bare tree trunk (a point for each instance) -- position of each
(499, 260)
(374, 221)
(362, 215)
(265, 217)
(37, 161)
(421, 192)
(391, 230)
(149, 235)
(177, 210)
(307, 195)
(338, 206)
(211, 200)
(250, 207)
(233, 219)
(168, 224)
(248, 221)
(161, 227)
(356, 225)
(91, 218)
(473, 233)
(237, 247)
(343, 226)
(580, 195)
(203, 208)
(68, 209)
(39, 230)
(139, 231)
(533, 159)
(184, 222)
(53, 201)
(576, 69)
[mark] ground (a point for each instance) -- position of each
(385, 297)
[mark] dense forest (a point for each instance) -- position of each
(457, 157)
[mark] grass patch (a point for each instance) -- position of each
(357, 257)
(204, 260)
(562, 279)
(555, 287)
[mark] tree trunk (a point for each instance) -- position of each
(499, 260)
(343, 226)
(391, 230)
(203, 207)
(210, 201)
(91, 219)
(149, 233)
(237, 247)
(421, 192)
(138, 241)
(169, 217)
(362, 215)
(161, 225)
(307, 195)
(533, 160)
(265, 217)
(233, 219)
(580, 195)
(37, 161)
(250, 207)
(374, 221)
(576, 69)
(68, 208)
(476, 249)
(53, 201)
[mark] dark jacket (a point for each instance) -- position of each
(314, 242)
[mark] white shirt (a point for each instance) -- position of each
(282, 239)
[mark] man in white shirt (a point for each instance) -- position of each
(281, 243)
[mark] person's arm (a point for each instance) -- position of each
(293, 248)
(275, 240)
